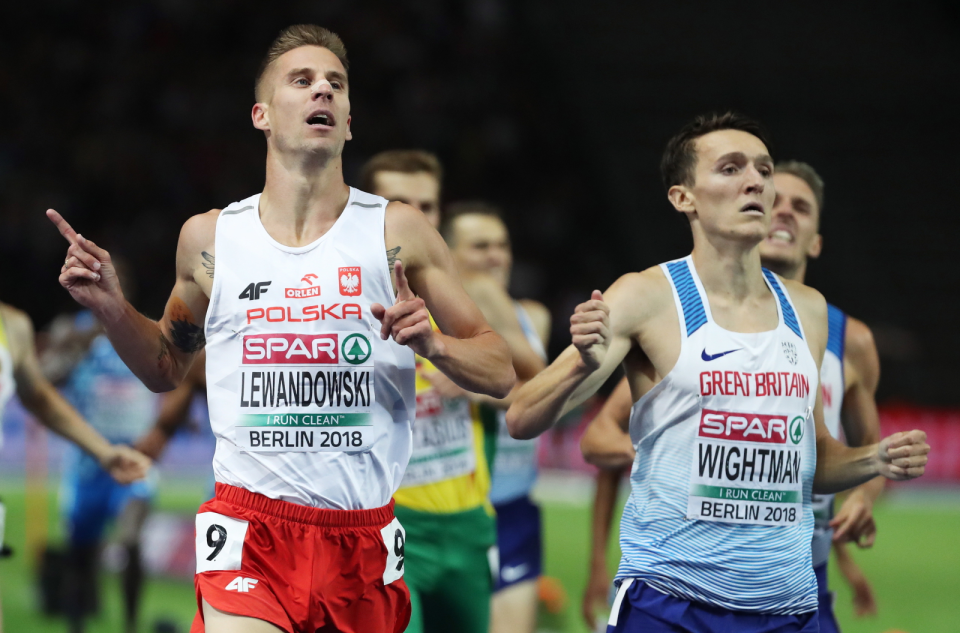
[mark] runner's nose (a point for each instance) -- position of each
(321, 89)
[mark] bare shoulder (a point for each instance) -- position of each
(198, 232)
(19, 329)
(860, 350)
(404, 222)
(859, 337)
(648, 291)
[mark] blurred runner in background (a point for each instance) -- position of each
(96, 381)
(20, 374)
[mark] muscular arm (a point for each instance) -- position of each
(173, 411)
(604, 330)
(468, 351)
(606, 443)
(159, 353)
(41, 399)
(497, 308)
(860, 418)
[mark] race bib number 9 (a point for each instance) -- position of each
(747, 469)
(306, 392)
(219, 542)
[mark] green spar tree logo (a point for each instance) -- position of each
(796, 429)
(355, 349)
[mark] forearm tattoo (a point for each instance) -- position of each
(187, 336)
(392, 258)
(208, 263)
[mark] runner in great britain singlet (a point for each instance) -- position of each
(720, 508)
(833, 387)
(312, 412)
(514, 474)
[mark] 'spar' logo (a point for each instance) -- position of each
(290, 349)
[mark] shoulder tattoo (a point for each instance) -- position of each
(392, 254)
(208, 263)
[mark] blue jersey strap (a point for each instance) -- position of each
(836, 331)
(789, 316)
(694, 316)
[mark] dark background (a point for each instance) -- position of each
(128, 118)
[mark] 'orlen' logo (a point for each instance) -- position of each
(744, 427)
(350, 281)
(290, 349)
(356, 349)
(303, 293)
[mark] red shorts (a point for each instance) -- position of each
(302, 569)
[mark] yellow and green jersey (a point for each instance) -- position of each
(7, 383)
(453, 442)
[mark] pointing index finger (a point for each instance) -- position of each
(63, 226)
(403, 287)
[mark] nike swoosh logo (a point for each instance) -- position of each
(510, 574)
(709, 357)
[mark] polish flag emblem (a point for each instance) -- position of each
(350, 281)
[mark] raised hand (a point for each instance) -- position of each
(87, 273)
(125, 464)
(407, 320)
(903, 455)
(590, 328)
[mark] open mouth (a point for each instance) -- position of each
(752, 207)
(321, 118)
(781, 235)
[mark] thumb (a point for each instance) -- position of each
(403, 287)
(597, 295)
(378, 311)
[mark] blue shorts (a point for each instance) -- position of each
(828, 621)
(518, 540)
(90, 498)
(643, 609)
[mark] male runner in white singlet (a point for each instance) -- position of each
(730, 435)
(848, 377)
(310, 370)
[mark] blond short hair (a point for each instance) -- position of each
(807, 174)
(294, 37)
(405, 161)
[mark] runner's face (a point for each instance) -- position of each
(481, 244)
(794, 232)
(420, 190)
(733, 189)
(308, 108)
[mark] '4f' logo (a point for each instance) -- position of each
(253, 291)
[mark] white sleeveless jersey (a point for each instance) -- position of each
(515, 464)
(719, 510)
(307, 402)
(833, 387)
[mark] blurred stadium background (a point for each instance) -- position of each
(130, 117)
